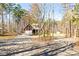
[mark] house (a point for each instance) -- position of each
(28, 27)
(35, 29)
(31, 29)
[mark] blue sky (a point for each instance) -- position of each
(58, 10)
(25, 6)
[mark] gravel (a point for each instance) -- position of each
(25, 46)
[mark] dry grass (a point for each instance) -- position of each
(10, 33)
(42, 40)
(77, 44)
(7, 37)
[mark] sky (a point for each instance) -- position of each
(58, 10)
(25, 6)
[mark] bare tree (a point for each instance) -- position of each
(66, 7)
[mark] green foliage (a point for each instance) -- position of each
(75, 19)
(76, 7)
(18, 12)
(2, 6)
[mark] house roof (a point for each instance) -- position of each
(28, 27)
(33, 26)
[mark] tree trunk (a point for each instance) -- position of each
(2, 24)
(9, 24)
(70, 28)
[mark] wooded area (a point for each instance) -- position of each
(39, 23)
